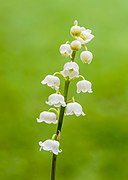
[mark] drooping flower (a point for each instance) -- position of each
(75, 31)
(52, 81)
(65, 50)
(71, 70)
(75, 45)
(74, 108)
(48, 117)
(86, 57)
(84, 86)
(50, 145)
(56, 100)
(85, 36)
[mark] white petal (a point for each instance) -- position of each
(65, 50)
(56, 99)
(50, 145)
(84, 86)
(52, 81)
(47, 117)
(71, 70)
(74, 108)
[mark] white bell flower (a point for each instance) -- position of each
(74, 108)
(52, 81)
(86, 57)
(75, 45)
(71, 70)
(75, 31)
(56, 100)
(84, 86)
(65, 50)
(48, 117)
(85, 36)
(50, 145)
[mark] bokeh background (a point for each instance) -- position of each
(95, 147)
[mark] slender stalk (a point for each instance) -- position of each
(73, 55)
(53, 170)
(62, 109)
(60, 122)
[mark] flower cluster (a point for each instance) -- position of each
(59, 101)
(81, 37)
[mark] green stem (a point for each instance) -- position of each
(73, 55)
(62, 109)
(53, 167)
(61, 116)
(60, 122)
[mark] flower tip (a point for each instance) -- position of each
(78, 92)
(55, 122)
(60, 150)
(90, 91)
(75, 22)
(83, 114)
(37, 119)
(43, 82)
(46, 102)
(64, 104)
(40, 143)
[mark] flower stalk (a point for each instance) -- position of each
(60, 122)
(62, 105)
(73, 56)
(61, 116)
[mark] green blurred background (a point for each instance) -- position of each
(95, 147)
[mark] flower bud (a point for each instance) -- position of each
(86, 57)
(75, 45)
(75, 31)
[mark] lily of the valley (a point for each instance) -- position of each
(52, 81)
(71, 70)
(65, 50)
(47, 117)
(85, 36)
(75, 31)
(56, 100)
(74, 108)
(50, 145)
(84, 86)
(75, 45)
(86, 57)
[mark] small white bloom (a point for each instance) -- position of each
(50, 145)
(75, 45)
(74, 108)
(71, 70)
(86, 57)
(48, 117)
(52, 81)
(84, 86)
(56, 100)
(65, 50)
(75, 31)
(85, 36)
